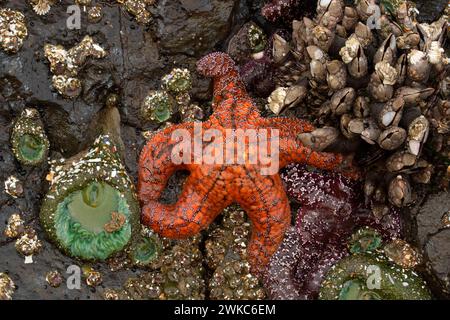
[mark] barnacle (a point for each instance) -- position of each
(28, 244)
(13, 187)
(42, 7)
(54, 278)
(15, 226)
(90, 211)
(138, 8)
(13, 30)
(28, 139)
(7, 287)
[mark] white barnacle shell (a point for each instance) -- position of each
(276, 99)
(416, 56)
(350, 50)
(386, 72)
(436, 53)
(41, 7)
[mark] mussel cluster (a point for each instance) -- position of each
(378, 83)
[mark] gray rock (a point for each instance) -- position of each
(428, 232)
(193, 27)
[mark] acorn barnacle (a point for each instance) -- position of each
(91, 211)
(28, 139)
(42, 7)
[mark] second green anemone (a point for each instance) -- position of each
(28, 139)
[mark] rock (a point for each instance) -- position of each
(433, 239)
(430, 10)
(193, 27)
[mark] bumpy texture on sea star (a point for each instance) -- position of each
(212, 187)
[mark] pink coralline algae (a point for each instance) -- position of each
(332, 208)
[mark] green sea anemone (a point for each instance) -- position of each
(158, 106)
(28, 139)
(257, 38)
(178, 81)
(365, 276)
(364, 240)
(91, 211)
(146, 251)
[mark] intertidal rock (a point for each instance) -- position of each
(429, 231)
(193, 27)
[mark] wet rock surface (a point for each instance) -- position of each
(431, 235)
(430, 9)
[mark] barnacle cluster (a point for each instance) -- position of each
(13, 30)
(138, 8)
(381, 88)
(7, 287)
(27, 243)
(66, 64)
(226, 254)
(159, 105)
(28, 139)
(180, 276)
(90, 210)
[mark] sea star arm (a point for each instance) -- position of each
(197, 207)
(268, 208)
(292, 150)
(156, 164)
(288, 127)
